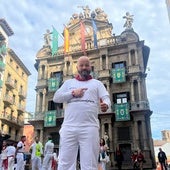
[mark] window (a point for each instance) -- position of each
(118, 65)
(11, 61)
(17, 68)
(120, 98)
(22, 74)
(15, 83)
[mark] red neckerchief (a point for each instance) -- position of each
(80, 79)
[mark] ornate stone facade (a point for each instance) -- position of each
(114, 53)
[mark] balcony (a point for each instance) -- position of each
(10, 120)
(1, 83)
(22, 94)
(140, 105)
(42, 82)
(8, 99)
(2, 66)
(21, 108)
(103, 73)
(10, 83)
(134, 69)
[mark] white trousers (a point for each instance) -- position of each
(20, 161)
(36, 163)
(47, 162)
(11, 163)
(73, 138)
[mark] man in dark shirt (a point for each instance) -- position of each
(162, 159)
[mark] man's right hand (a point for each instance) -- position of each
(78, 92)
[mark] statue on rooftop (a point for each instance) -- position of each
(86, 10)
(101, 15)
(129, 20)
(47, 38)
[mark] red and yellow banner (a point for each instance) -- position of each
(82, 31)
(66, 40)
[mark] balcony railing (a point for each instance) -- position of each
(10, 83)
(22, 94)
(8, 99)
(104, 73)
(140, 105)
(21, 108)
(11, 119)
(41, 115)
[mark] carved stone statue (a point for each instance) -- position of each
(86, 10)
(47, 38)
(129, 20)
(101, 15)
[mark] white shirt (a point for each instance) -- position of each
(82, 111)
(11, 150)
(49, 148)
(22, 145)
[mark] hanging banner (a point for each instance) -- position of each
(50, 118)
(122, 112)
(53, 83)
(118, 75)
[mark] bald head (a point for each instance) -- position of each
(83, 67)
(83, 59)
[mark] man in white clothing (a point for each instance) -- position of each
(10, 155)
(80, 129)
(36, 151)
(19, 154)
(48, 154)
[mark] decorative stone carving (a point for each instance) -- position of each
(129, 20)
(47, 38)
(101, 15)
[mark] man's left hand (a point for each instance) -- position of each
(103, 107)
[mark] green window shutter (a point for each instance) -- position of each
(50, 118)
(118, 75)
(122, 112)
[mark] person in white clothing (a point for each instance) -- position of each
(19, 154)
(48, 154)
(10, 155)
(80, 129)
(36, 151)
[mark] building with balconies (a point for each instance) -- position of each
(120, 62)
(13, 96)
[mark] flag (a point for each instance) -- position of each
(82, 31)
(66, 40)
(94, 33)
(54, 41)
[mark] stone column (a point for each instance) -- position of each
(129, 57)
(37, 102)
(136, 58)
(139, 89)
(43, 101)
(136, 143)
(100, 63)
(39, 72)
(132, 91)
(107, 62)
(144, 135)
(45, 72)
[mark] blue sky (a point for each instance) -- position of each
(30, 19)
